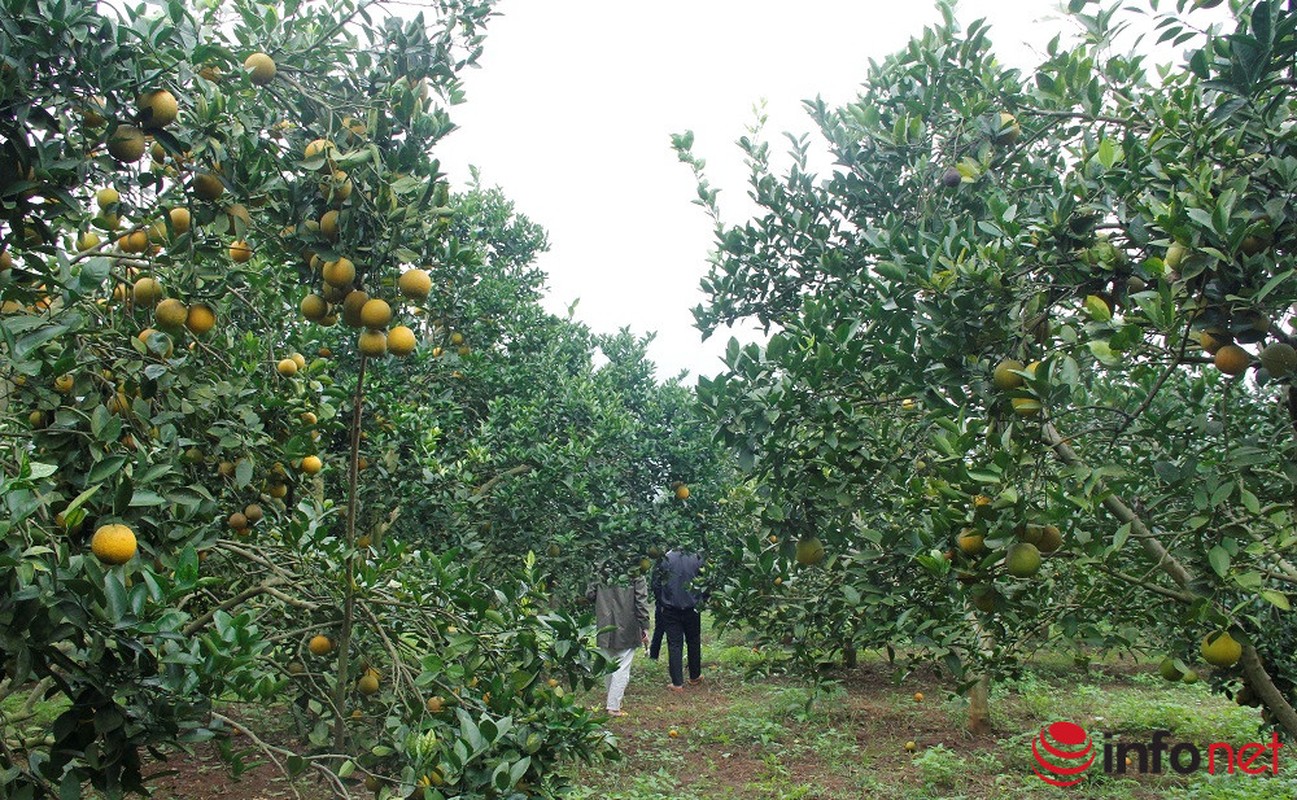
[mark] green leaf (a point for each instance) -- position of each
(105, 469)
(1109, 153)
(38, 470)
(115, 591)
(1219, 559)
(243, 473)
(1119, 538)
(1097, 308)
(1277, 599)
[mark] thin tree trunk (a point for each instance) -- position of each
(979, 706)
(979, 695)
(850, 658)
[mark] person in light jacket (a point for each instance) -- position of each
(622, 614)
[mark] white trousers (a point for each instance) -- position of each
(618, 680)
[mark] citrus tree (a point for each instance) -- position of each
(191, 199)
(1029, 370)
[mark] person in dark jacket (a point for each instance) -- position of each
(622, 614)
(680, 619)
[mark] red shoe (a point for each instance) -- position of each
(695, 681)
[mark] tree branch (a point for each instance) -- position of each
(198, 623)
(1253, 669)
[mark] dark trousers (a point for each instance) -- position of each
(656, 646)
(683, 626)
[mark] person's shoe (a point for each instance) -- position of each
(695, 681)
(673, 688)
(617, 713)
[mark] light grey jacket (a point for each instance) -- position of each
(622, 613)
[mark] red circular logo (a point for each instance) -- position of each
(1064, 751)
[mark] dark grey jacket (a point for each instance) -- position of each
(623, 609)
(675, 573)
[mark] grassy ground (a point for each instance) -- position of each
(754, 738)
(742, 736)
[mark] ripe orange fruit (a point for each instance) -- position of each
(313, 307)
(435, 704)
(201, 318)
(311, 465)
(1232, 360)
(1220, 649)
(158, 109)
(240, 252)
(147, 292)
(63, 384)
(317, 148)
(918, 697)
(368, 683)
(171, 313)
(1005, 376)
(253, 513)
(329, 224)
(339, 273)
(372, 343)
(107, 196)
(207, 186)
(375, 314)
(352, 305)
(180, 219)
(287, 367)
(682, 492)
(320, 645)
(971, 542)
(260, 68)
(415, 284)
(337, 189)
(1051, 538)
(400, 341)
(299, 360)
(126, 144)
(134, 242)
(113, 544)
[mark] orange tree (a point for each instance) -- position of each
(529, 433)
(1030, 374)
(178, 189)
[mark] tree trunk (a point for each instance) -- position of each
(979, 706)
(850, 658)
(979, 696)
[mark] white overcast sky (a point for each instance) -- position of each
(572, 110)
